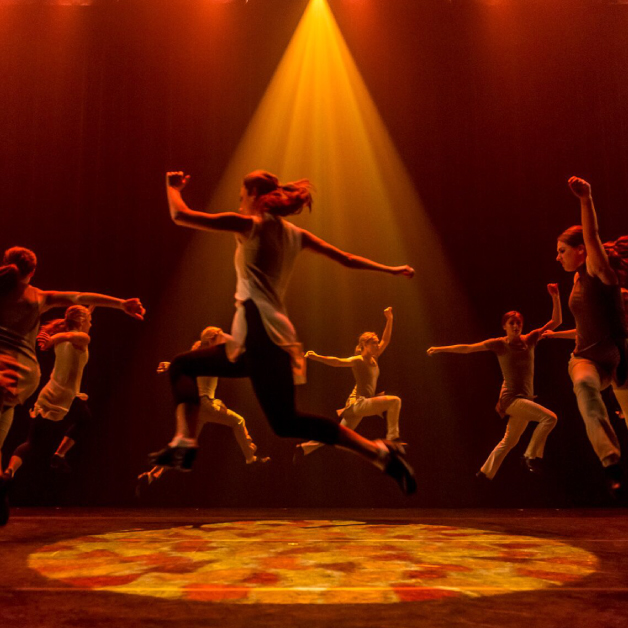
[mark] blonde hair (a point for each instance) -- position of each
(207, 335)
(364, 338)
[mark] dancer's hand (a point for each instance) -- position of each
(432, 351)
(44, 340)
(311, 354)
(580, 187)
(552, 288)
(406, 271)
(177, 180)
(388, 313)
(134, 308)
(162, 367)
(548, 333)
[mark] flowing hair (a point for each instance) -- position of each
(277, 199)
(617, 251)
(75, 315)
(18, 262)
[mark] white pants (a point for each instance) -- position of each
(375, 406)
(6, 419)
(588, 382)
(521, 412)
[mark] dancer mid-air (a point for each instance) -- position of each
(265, 347)
(596, 303)
(515, 353)
(21, 308)
(212, 410)
(363, 400)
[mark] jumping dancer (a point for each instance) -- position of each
(212, 410)
(515, 353)
(363, 401)
(596, 304)
(21, 307)
(265, 346)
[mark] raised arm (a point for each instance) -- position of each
(316, 244)
(330, 360)
(597, 259)
(474, 348)
(557, 312)
(51, 299)
(387, 333)
(182, 215)
(567, 334)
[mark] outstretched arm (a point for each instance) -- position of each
(78, 338)
(568, 334)
(597, 259)
(330, 360)
(316, 244)
(386, 335)
(182, 215)
(474, 348)
(51, 298)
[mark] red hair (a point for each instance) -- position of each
(275, 198)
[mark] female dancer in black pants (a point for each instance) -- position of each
(265, 346)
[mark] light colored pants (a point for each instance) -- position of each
(521, 412)
(6, 419)
(375, 406)
(588, 382)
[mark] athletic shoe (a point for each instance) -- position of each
(398, 468)
(60, 464)
(181, 458)
(4, 499)
(614, 479)
(144, 480)
(482, 478)
(534, 465)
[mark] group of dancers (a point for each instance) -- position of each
(264, 346)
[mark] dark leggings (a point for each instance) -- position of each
(42, 430)
(268, 366)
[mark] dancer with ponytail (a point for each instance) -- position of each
(363, 400)
(265, 347)
(599, 357)
(212, 410)
(515, 353)
(21, 307)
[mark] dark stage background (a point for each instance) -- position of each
(491, 107)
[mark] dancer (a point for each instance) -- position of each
(596, 304)
(362, 401)
(515, 353)
(265, 347)
(21, 306)
(212, 410)
(60, 398)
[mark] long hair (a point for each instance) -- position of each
(18, 262)
(616, 250)
(275, 198)
(75, 315)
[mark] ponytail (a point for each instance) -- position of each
(277, 199)
(617, 252)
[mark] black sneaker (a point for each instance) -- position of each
(614, 479)
(398, 468)
(5, 479)
(534, 465)
(60, 464)
(482, 478)
(180, 458)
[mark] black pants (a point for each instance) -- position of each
(268, 366)
(42, 431)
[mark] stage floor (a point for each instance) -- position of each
(97, 567)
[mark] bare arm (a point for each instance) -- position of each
(182, 215)
(78, 338)
(386, 335)
(557, 312)
(316, 244)
(52, 298)
(568, 334)
(330, 360)
(597, 260)
(474, 348)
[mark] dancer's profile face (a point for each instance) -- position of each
(570, 257)
(513, 327)
(247, 202)
(370, 346)
(86, 325)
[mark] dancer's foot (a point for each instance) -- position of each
(534, 465)
(60, 464)
(482, 478)
(614, 479)
(144, 480)
(181, 458)
(398, 441)
(5, 479)
(298, 456)
(398, 468)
